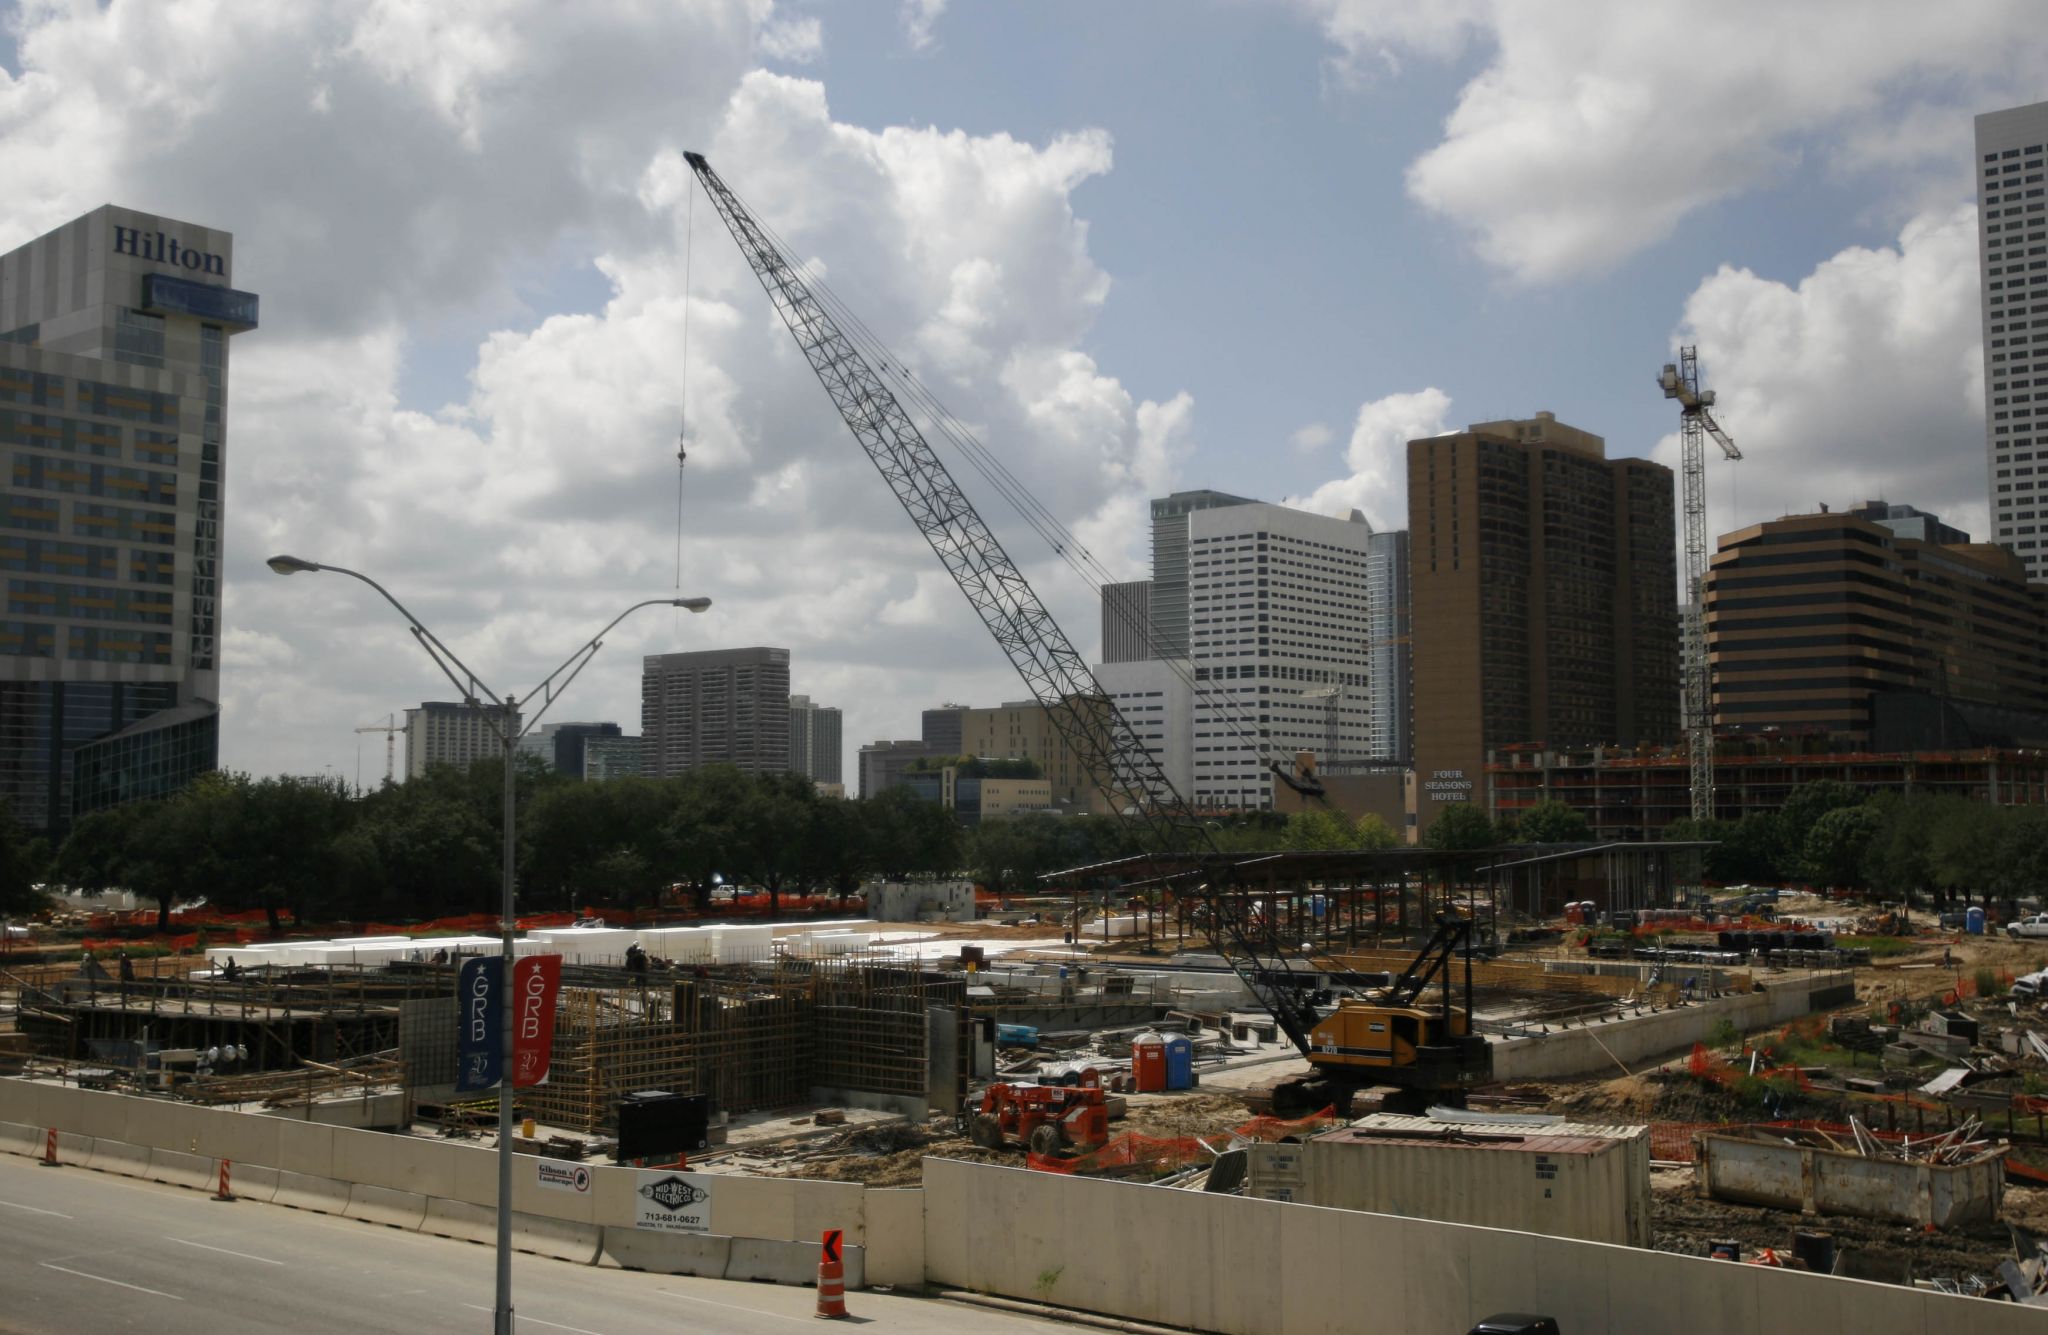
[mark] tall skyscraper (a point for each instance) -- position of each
(443, 732)
(1280, 632)
(716, 706)
(1544, 586)
(1169, 595)
(114, 334)
(814, 740)
(1126, 621)
(2010, 229)
(1390, 706)
(562, 746)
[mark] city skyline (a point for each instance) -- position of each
(471, 374)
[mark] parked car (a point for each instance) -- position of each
(2031, 987)
(2034, 924)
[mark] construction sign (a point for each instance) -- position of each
(536, 983)
(480, 1041)
(833, 1236)
(673, 1202)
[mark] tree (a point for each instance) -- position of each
(1319, 831)
(1808, 803)
(1837, 846)
(1552, 822)
(1458, 827)
(1374, 833)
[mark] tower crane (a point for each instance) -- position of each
(1389, 1040)
(1696, 422)
(390, 728)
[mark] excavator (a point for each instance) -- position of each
(1392, 1036)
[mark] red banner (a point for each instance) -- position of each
(536, 981)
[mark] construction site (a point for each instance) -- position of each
(1705, 1092)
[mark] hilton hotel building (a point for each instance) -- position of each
(114, 334)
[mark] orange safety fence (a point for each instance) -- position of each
(1160, 1155)
(240, 928)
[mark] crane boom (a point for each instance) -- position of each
(1056, 674)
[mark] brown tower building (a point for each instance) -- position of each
(1882, 627)
(1544, 580)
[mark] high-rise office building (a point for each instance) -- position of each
(940, 729)
(562, 746)
(1835, 625)
(1126, 622)
(814, 740)
(114, 334)
(1543, 579)
(2012, 145)
(442, 732)
(607, 758)
(1156, 698)
(1389, 704)
(716, 706)
(1025, 730)
(1168, 598)
(1280, 631)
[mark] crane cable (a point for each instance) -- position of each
(1034, 512)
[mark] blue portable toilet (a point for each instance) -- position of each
(1180, 1062)
(1973, 920)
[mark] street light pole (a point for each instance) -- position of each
(509, 729)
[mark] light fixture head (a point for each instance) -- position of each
(290, 565)
(693, 604)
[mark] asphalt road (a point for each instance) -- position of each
(83, 1252)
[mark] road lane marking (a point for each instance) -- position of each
(533, 1320)
(47, 1265)
(186, 1242)
(734, 1307)
(33, 1210)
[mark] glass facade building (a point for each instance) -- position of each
(114, 333)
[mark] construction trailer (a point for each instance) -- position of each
(1564, 1179)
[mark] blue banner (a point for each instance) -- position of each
(480, 1047)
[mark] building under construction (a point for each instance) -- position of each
(772, 1033)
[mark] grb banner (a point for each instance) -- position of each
(535, 982)
(480, 1046)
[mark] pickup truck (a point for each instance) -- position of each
(2034, 924)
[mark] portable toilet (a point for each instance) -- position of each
(1973, 920)
(1148, 1063)
(1180, 1062)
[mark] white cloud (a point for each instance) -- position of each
(1862, 381)
(798, 41)
(399, 167)
(919, 18)
(1596, 128)
(1378, 458)
(1310, 438)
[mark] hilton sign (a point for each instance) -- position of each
(163, 249)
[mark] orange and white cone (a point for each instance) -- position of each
(49, 1159)
(223, 1194)
(831, 1277)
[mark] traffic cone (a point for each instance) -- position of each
(831, 1277)
(223, 1194)
(49, 1159)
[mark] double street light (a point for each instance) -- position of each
(504, 714)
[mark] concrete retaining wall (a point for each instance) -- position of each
(1640, 1040)
(1247, 1267)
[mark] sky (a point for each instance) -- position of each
(1253, 245)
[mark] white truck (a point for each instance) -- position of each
(2034, 924)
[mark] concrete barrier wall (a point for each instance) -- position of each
(895, 1235)
(1248, 1267)
(766, 1227)
(1639, 1040)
